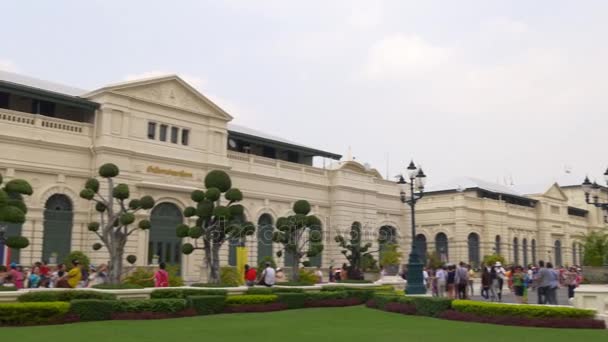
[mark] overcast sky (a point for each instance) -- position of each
(491, 89)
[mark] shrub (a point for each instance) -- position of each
(355, 281)
(259, 291)
(287, 290)
(185, 293)
(63, 296)
(92, 309)
(430, 306)
(307, 277)
(123, 286)
(380, 300)
(140, 277)
(150, 305)
(546, 322)
(292, 300)
(7, 288)
(255, 307)
(230, 275)
(32, 313)
(212, 285)
(251, 299)
(496, 309)
(293, 283)
(402, 308)
(82, 258)
(207, 305)
(362, 294)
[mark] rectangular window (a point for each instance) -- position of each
(163, 133)
(174, 131)
(185, 136)
(151, 130)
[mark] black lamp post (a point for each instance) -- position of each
(417, 180)
(592, 192)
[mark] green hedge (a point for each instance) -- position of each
(32, 313)
(212, 285)
(63, 296)
(379, 288)
(496, 309)
(150, 305)
(272, 290)
(293, 300)
(185, 293)
(92, 309)
(7, 288)
(207, 305)
(354, 281)
(251, 299)
(124, 286)
(430, 306)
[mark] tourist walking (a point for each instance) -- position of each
(486, 282)
(498, 279)
(543, 282)
(551, 292)
(471, 276)
(161, 276)
(518, 281)
(16, 276)
(442, 277)
(570, 279)
(450, 285)
(462, 280)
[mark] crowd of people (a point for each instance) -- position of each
(41, 275)
(457, 281)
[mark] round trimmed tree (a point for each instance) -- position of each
(300, 234)
(13, 210)
(218, 218)
(355, 251)
(116, 217)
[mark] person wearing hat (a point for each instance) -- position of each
(16, 275)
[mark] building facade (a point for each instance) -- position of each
(165, 136)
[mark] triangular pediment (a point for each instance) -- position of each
(169, 91)
(555, 192)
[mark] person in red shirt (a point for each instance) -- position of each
(161, 277)
(250, 275)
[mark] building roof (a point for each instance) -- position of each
(22, 80)
(465, 183)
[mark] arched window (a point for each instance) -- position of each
(421, 249)
(524, 248)
(473, 244)
(264, 236)
(58, 220)
(574, 253)
(533, 252)
(515, 251)
(497, 245)
(387, 235)
(441, 244)
(580, 253)
(12, 229)
(163, 242)
(557, 251)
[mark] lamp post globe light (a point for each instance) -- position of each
(410, 192)
(593, 191)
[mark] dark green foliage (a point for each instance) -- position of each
(213, 194)
(189, 211)
(182, 230)
(17, 203)
(234, 195)
(97, 246)
(131, 259)
(293, 300)
(87, 194)
(262, 263)
(144, 224)
(207, 305)
(121, 191)
(8, 288)
(195, 232)
(185, 293)
(354, 251)
(205, 209)
(92, 184)
(146, 202)
(187, 248)
(3, 197)
(93, 226)
(11, 214)
(221, 212)
(108, 170)
(595, 247)
(123, 286)
(92, 309)
(259, 291)
(273, 290)
(229, 275)
(63, 296)
(18, 186)
(167, 305)
(77, 255)
(530, 311)
(17, 242)
(431, 306)
(301, 207)
(100, 207)
(127, 218)
(134, 204)
(236, 210)
(250, 299)
(218, 179)
(197, 195)
(32, 313)
(212, 285)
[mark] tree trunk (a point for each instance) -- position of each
(295, 269)
(117, 252)
(214, 270)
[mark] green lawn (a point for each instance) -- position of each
(326, 324)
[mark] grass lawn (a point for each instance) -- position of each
(325, 324)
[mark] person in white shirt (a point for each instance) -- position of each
(319, 275)
(442, 277)
(269, 276)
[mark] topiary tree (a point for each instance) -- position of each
(595, 246)
(300, 234)
(13, 210)
(217, 220)
(116, 217)
(354, 251)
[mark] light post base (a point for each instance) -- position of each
(415, 281)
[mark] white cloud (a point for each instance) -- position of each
(8, 65)
(366, 15)
(194, 81)
(505, 25)
(403, 56)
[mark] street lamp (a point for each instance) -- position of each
(593, 191)
(408, 195)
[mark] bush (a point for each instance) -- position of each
(82, 258)
(287, 290)
(307, 277)
(207, 305)
(272, 290)
(251, 299)
(92, 309)
(150, 305)
(355, 281)
(294, 283)
(185, 293)
(292, 300)
(123, 286)
(495, 309)
(63, 296)
(7, 288)
(230, 275)
(255, 307)
(212, 285)
(32, 313)
(546, 322)
(430, 306)
(140, 277)
(362, 294)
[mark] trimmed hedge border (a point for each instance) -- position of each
(185, 293)
(540, 322)
(63, 296)
(207, 305)
(33, 313)
(522, 310)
